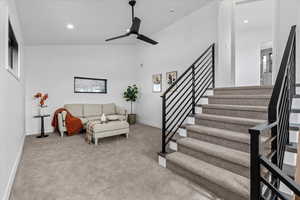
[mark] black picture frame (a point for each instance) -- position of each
(12, 57)
(90, 92)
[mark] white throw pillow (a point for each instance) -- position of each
(103, 118)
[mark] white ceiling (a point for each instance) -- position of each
(259, 13)
(44, 21)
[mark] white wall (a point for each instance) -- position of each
(11, 108)
(225, 72)
(179, 46)
(51, 69)
(298, 45)
(248, 46)
(286, 15)
(250, 38)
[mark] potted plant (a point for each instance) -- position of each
(131, 94)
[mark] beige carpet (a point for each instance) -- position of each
(67, 168)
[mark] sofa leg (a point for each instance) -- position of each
(127, 135)
(96, 141)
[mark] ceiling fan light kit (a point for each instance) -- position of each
(135, 28)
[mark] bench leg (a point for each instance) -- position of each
(96, 141)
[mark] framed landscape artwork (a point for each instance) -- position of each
(157, 82)
(11, 45)
(90, 85)
(13, 50)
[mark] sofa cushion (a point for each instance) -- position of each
(92, 110)
(75, 109)
(120, 111)
(109, 109)
(93, 118)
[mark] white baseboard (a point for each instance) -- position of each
(148, 123)
(182, 132)
(173, 146)
(190, 120)
(162, 161)
(38, 133)
(13, 171)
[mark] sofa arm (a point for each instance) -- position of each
(61, 123)
(122, 111)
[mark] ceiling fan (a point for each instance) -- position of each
(135, 27)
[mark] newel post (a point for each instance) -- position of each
(163, 127)
(254, 164)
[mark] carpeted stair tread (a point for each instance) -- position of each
(221, 133)
(224, 178)
(236, 107)
(227, 119)
(244, 88)
(228, 154)
(240, 97)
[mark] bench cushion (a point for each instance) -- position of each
(116, 117)
(96, 126)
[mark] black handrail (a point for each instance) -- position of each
(278, 125)
(180, 99)
(272, 111)
(188, 69)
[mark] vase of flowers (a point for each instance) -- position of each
(42, 102)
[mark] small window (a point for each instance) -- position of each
(13, 52)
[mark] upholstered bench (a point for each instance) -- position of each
(96, 129)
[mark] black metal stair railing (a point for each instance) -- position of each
(266, 160)
(180, 99)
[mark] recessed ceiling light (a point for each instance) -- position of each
(172, 10)
(246, 21)
(70, 26)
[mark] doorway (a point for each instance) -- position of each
(253, 42)
(266, 65)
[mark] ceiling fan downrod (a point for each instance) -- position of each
(132, 4)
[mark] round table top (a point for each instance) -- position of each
(40, 116)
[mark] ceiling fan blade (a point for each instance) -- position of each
(135, 25)
(146, 39)
(118, 37)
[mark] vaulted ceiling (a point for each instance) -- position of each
(44, 21)
(259, 15)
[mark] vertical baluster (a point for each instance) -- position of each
(163, 128)
(255, 189)
(194, 90)
(293, 69)
(213, 65)
(275, 148)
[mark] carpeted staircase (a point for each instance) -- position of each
(215, 152)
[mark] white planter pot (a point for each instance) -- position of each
(42, 111)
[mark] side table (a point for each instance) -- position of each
(42, 117)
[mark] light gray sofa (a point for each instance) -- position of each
(92, 112)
